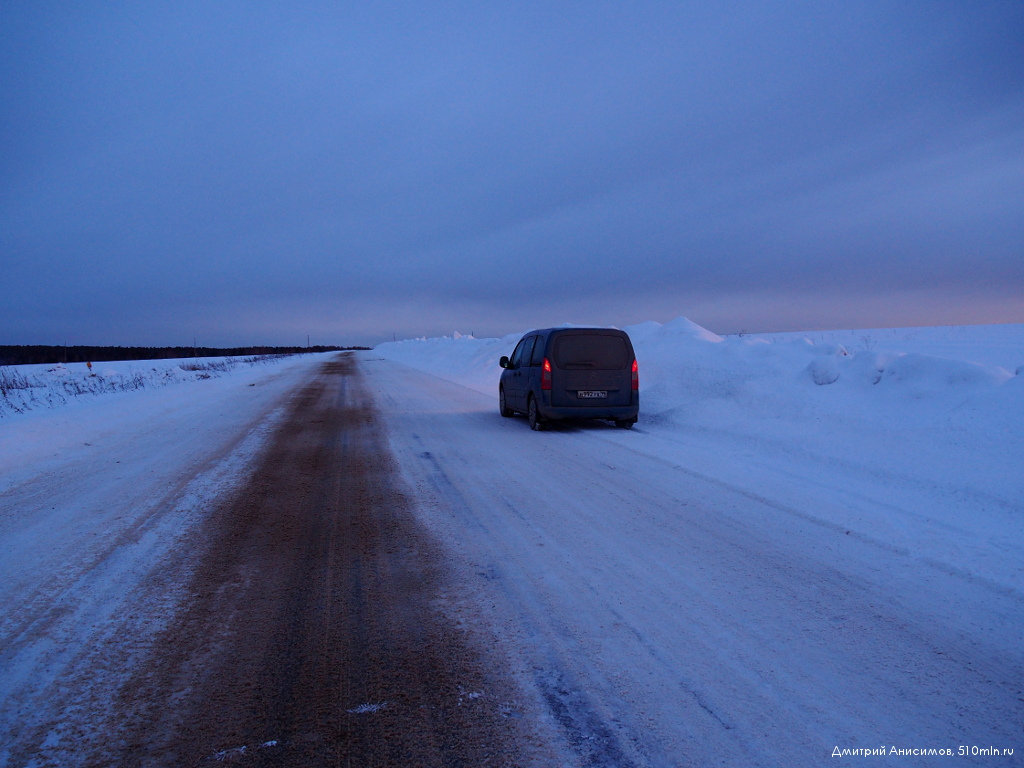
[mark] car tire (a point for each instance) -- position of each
(536, 423)
(503, 409)
(625, 423)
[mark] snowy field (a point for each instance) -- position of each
(99, 483)
(32, 387)
(808, 541)
(930, 420)
(47, 411)
(917, 434)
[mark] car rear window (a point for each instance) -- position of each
(605, 353)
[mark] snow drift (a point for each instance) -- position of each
(28, 387)
(868, 416)
(685, 368)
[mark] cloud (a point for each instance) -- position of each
(479, 162)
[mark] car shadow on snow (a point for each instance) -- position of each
(571, 426)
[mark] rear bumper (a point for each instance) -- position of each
(615, 412)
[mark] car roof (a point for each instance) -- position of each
(560, 328)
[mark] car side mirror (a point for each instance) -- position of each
(504, 361)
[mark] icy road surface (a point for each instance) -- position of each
(239, 578)
(322, 561)
(667, 617)
(98, 503)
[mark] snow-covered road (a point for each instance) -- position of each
(733, 582)
(672, 608)
(97, 502)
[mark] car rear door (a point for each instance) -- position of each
(591, 368)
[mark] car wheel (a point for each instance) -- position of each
(625, 423)
(536, 423)
(503, 409)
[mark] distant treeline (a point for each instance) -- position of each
(40, 354)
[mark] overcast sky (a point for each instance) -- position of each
(252, 172)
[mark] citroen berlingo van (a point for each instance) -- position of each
(571, 373)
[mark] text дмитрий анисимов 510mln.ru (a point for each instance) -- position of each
(961, 751)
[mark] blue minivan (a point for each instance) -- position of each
(571, 373)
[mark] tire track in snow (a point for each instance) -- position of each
(707, 620)
(316, 632)
(594, 740)
(72, 640)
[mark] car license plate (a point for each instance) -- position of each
(583, 393)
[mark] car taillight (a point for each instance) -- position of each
(636, 375)
(545, 374)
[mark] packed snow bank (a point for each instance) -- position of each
(876, 403)
(27, 387)
(685, 367)
(888, 440)
(998, 345)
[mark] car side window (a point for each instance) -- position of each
(518, 353)
(528, 350)
(538, 352)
